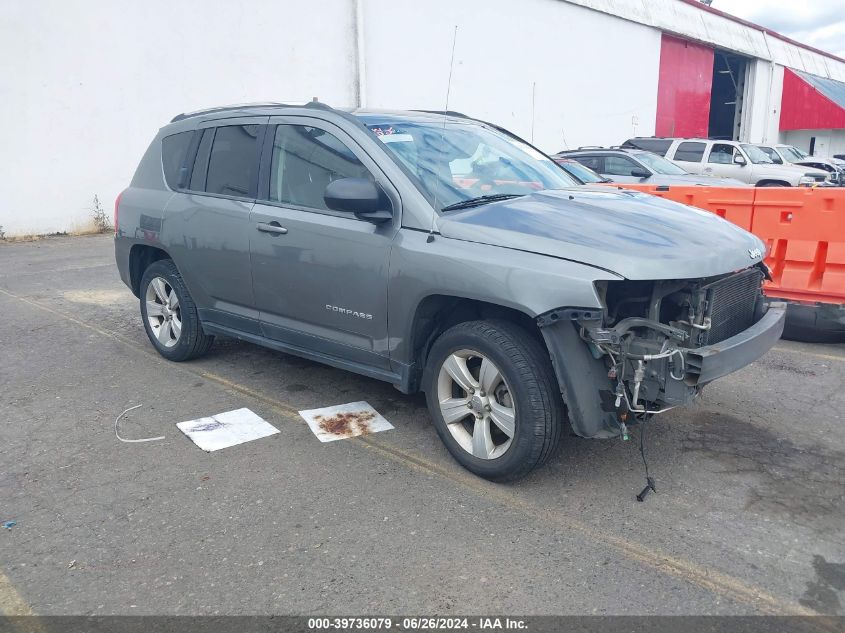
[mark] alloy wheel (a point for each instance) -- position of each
(476, 404)
(163, 312)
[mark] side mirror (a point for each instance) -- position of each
(739, 159)
(360, 196)
(640, 172)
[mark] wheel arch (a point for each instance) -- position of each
(772, 182)
(141, 256)
(438, 312)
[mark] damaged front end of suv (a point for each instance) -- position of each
(655, 344)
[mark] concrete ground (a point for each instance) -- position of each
(748, 517)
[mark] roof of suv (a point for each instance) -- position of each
(599, 150)
(271, 108)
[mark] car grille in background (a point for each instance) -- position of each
(732, 302)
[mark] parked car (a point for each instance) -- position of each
(442, 254)
(638, 166)
(743, 161)
(788, 154)
(579, 171)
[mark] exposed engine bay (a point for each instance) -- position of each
(649, 328)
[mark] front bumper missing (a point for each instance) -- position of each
(591, 394)
(705, 364)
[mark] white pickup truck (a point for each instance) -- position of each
(743, 161)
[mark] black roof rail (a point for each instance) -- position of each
(445, 113)
(247, 106)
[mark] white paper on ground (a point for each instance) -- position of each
(226, 429)
(344, 421)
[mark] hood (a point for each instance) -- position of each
(632, 234)
(790, 170)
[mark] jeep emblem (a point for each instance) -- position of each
(754, 253)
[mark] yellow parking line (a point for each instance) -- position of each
(11, 602)
(704, 577)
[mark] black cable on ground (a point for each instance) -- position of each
(649, 481)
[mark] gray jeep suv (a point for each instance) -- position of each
(442, 254)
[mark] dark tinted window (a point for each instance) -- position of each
(721, 154)
(174, 158)
(656, 145)
(690, 152)
(305, 161)
(593, 162)
(233, 160)
(201, 163)
(618, 166)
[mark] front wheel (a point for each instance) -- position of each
(493, 396)
(169, 314)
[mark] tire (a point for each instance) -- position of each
(526, 390)
(179, 337)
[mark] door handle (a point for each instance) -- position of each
(272, 227)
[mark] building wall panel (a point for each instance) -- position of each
(805, 108)
(683, 94)
(86, 85)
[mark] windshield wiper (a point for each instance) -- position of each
(479, 200)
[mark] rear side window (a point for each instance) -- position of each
(305, 160)
(233, 161)
(593, 162)
(174, 158)
(690, 152)
(201, 163)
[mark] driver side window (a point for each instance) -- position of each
(721, 154)
(305, 160)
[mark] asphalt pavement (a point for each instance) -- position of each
(748, 517)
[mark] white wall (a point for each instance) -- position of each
(595, 74)
(828, 142)
(86, 85)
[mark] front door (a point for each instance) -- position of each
(720, 162)
(319, 276)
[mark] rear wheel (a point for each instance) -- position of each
(169, 314)
(493, 396)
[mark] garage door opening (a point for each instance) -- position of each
(726, 97)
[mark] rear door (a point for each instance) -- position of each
(207, 224)
(320, 276)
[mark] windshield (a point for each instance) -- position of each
(756, 155)
(660, 165)
(792, 154)
(465, 160)
(582, 173)
(772, 154)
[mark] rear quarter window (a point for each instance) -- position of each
(174, 158)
